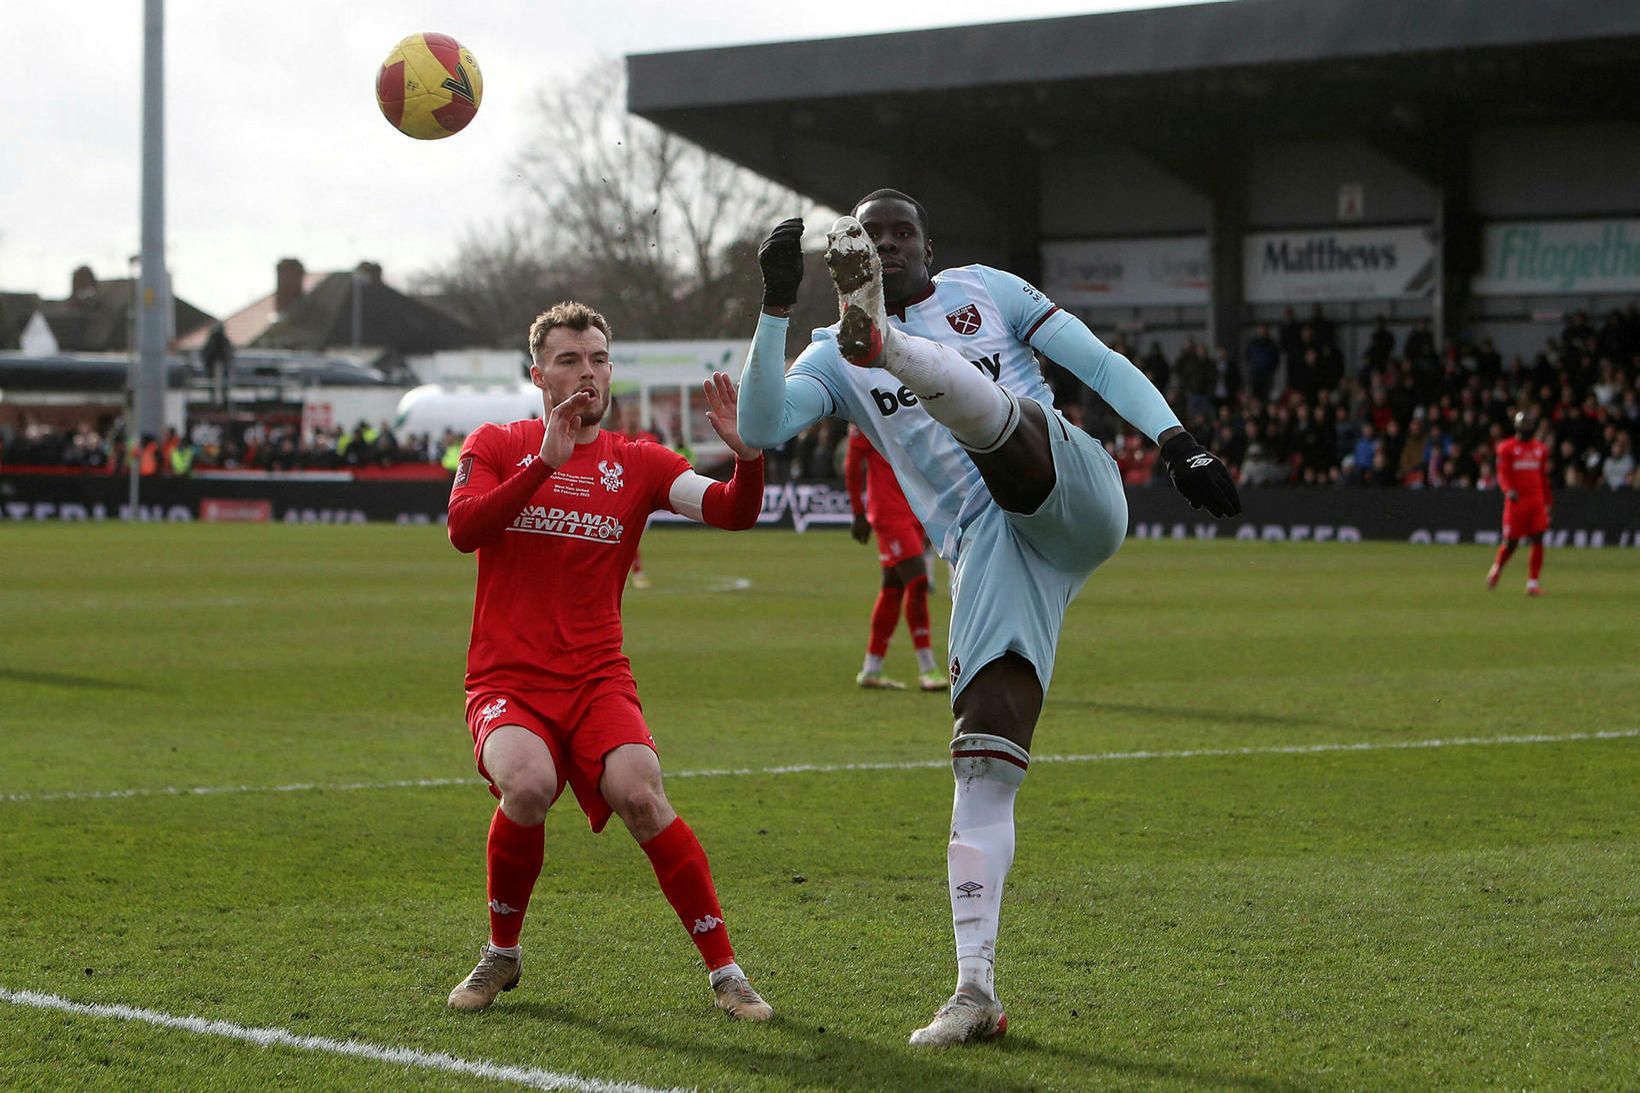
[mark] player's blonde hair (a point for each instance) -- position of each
(570, 313)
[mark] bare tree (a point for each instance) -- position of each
(652, 229)
(502, 276)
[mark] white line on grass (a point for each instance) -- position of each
(530, 1076)
(834, 768)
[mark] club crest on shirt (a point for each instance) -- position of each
(611, 472)
(965, 320)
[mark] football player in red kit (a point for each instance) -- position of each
(554, 509)
(1523, 475)
(879, 505)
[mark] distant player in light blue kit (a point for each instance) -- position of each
(939, 373)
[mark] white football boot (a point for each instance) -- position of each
(965, 1019)
(857, 272)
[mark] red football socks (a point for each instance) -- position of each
(1534, 561)
(884, 617)
(514, 855)
(1504, 553)
(686, 879)
(916, 612)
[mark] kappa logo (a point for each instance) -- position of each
(501, 908)
(965, 320)
(706, 925)
(491, 712)
(1197, 462)
(611, 473)
(527, 460)
(569, 524)
(970, 889)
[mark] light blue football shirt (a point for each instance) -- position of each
(992, 319)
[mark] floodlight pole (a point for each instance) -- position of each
(153, 302)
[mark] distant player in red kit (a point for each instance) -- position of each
(879, 505)
(1523, 476)
(554, 510)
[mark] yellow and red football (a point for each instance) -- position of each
(429, 87)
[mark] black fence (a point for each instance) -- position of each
(1582, 518)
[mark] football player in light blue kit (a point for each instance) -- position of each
(939, 372)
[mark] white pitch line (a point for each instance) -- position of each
(837, 768)
(534, 1077)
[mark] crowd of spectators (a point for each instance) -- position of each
(1289, 411)
(253, 445)
(1292, 411)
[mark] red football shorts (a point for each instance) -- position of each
(898, 540)
(580, 727)
(1522, 519)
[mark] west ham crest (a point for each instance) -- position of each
(965, 320)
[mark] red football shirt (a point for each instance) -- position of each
(865, 468)
(1523, 466)
(547, 615)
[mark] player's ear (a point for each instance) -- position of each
(928, 253)
(536, 377)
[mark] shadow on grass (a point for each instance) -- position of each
(66, 679)
(1114, 1066)
(1189, 713)
(803, 1055)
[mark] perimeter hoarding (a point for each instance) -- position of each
(1559, 257)
(1360, 264)
(1128, 272)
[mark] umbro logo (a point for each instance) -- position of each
(706, 925)
(501, 908)
(1197, 462)
(527, 460)
(970, 889)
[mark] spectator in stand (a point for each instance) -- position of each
(1380, 346)
(1413, 452)
(1194, 373)
(1617, 469)
(1263, 357)
(1420, 344)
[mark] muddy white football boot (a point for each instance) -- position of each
(857, 272)
(496, 972)
(740, 1000)
(966, 1019)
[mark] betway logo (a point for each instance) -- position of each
(540, 520)
(889, 402)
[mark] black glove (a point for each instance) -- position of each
(1200, 475)
(780, 257)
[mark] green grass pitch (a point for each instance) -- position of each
(1417, 917)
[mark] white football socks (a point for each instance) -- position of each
(980, 414)
(727, 971)
(925, 660)
(988, 770)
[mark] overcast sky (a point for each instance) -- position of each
(274, 144)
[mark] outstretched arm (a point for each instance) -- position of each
(771, 410)
(1077, 349)
(731, 505)
(1197, 473)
